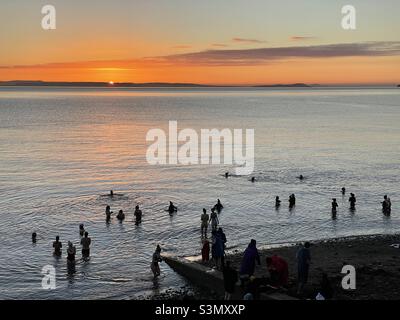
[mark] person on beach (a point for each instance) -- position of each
(277, 202)
(108, 213)
(386, 205)
(218, 251)
(81, 230)
(279, 271)
(218, 206)
(222, 235)
(343, 191)
(138, 215)
(172, 209)
(250, 257)
(325, 288)
(230, 278)
(71, 251)
(334, 206)
(292, 201)
(205, 251)
(34, 235)
(352, 201)
(57, 245)
(155, 268)
(85, 242)
(214, 220)
(204, 223)
(121, 215)
(303, 258)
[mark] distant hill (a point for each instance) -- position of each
(295, 85)
(30, 83)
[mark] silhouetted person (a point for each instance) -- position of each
(57, 245)
(154, 263)
(71, 251)
(121, 215)
(34, 235)
(292, 201)
(85, 242)
(303, 257)
(138, 215)
(111, 193)
(230, 278)
(277, 202)
(301, 177)
(108, 213)
(172, 208)
(204, 223)
(250, 257)
(81, 230)
(352, 201)
(219, 206)
(214, 219)
(334, 205)
(343, 191)
(226, 174)
(386, 205)
(253, 179)
(205, 251)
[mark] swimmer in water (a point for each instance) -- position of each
(343, 191)
(277, 202)
(172, 208)
(34, 237)
(138, 215)
(226, 174)
(108, 213)
(301, 177)
(111, 193)
(352, 201)
(57, 245)
(81, 230)
(334, 206)
(218, 206)
(253, 179)
(155, 261)
(121, 215)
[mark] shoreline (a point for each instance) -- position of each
(377, 266)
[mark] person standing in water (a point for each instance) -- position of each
(108, 213)
(204, 223)
(214, 220)
(292, 201)
(111, 193)
(386, 205)
(81, 230)
(155, 261)
(277, 202)
(34, 235)
(57, 245)
(172, 209)
(219, 206)
(71, 251)
(334, 206)
(85, 242)
(226, 175)
(343, 191)
(138, 215)
(121, 215)
(352, 201)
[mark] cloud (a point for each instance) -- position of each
(250, 41)
(219, 45)
(302, 38)
(237, 57)
(257, 56)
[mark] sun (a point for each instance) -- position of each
(111, 83)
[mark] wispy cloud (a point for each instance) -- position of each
(249, 41)
(302, 38)
(219, 45)
(238, 57)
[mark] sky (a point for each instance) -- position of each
(233, 42)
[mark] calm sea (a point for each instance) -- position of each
(61, 149)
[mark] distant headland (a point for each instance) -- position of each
(39, 83)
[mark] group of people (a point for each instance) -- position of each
(218, 246)
(210, 219)
(71, 250)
